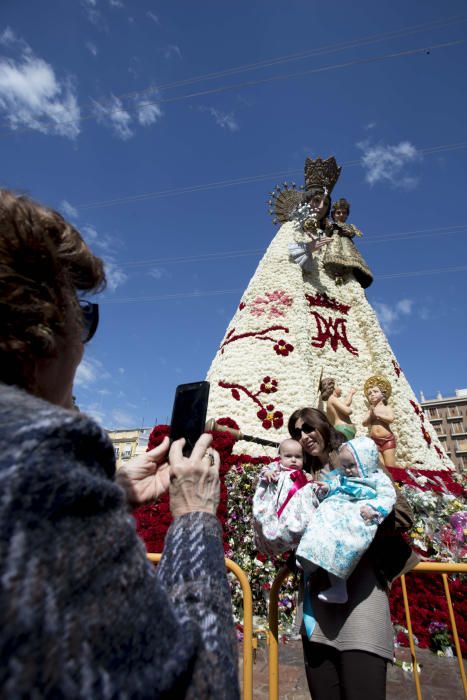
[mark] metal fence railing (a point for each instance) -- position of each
(425, 567)
(248, 641)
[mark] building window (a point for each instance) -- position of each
(126, 453)
(461, 446)
(117, 452)
(453, 412)
(433, 413)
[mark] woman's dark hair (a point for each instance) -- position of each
(44, 264)
(333, 439)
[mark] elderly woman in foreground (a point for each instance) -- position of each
(82, 612)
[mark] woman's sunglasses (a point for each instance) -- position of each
(297, 432)
(90, 316)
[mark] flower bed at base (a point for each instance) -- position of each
(439, 533)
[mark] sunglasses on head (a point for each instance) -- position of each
(90, 319)
(297, 432)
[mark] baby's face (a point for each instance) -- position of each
(347, 462)
(291, 454)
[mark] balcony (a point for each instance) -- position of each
(458, 431)
(435, 419)
(454, 416)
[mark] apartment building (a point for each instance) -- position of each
(448, 416)
(128, 442)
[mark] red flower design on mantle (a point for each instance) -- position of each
(269, 416)
(325, 302)
(273, 304)
(283, 348)
(279, 344)
(332, 330)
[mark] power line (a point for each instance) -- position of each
(221, 292)
(311, 71)
(225, 255)
(318, 51)
(245, 180)
(263, 81)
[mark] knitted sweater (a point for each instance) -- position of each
(83, 614)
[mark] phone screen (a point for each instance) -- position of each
(189, 413)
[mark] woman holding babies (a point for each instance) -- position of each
(346, 645)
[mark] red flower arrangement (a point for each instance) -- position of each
(427, 605)
(283, 348)
(270, 417)
(436, 480)
(425, 591)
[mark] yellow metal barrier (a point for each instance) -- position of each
(248, 641)
(442, 568)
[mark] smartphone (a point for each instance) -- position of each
(189, 413)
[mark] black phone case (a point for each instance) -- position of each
(189, 413)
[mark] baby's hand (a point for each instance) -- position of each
(270, 475)
(321, 489)
(368, 514)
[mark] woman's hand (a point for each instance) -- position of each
(194, 480)
(146, 477)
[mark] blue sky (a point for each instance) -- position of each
(109, 111)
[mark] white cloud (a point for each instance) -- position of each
(122, 419)
(384, 163)
(148, 113)
(89, 372)
(390, 316)
(103, 242)
(171, 50)
(152, 16)
(114, 274)
(96, 411)
(158, 273)
(114, 116)
(116, 3)
(69, 210)
(121, 119)
(121, 370)
(92, 48)
(370, 125)
(32, 96)
(9, 38)
(222, 119)
(92, 13)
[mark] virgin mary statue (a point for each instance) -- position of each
(305, 316)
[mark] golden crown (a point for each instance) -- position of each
(321, 174)
(341, 203)
(381, 382)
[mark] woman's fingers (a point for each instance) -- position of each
(201, 446)
(159, 453)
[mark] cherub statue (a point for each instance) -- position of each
(377, 390)
(338, 410)
(341, 255)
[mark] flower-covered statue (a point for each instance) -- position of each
(377, 390)
(338, 410)
(303, 316)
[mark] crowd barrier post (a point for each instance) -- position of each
(248, 641)
(442, 568)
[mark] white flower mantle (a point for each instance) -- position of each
(280, 334)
